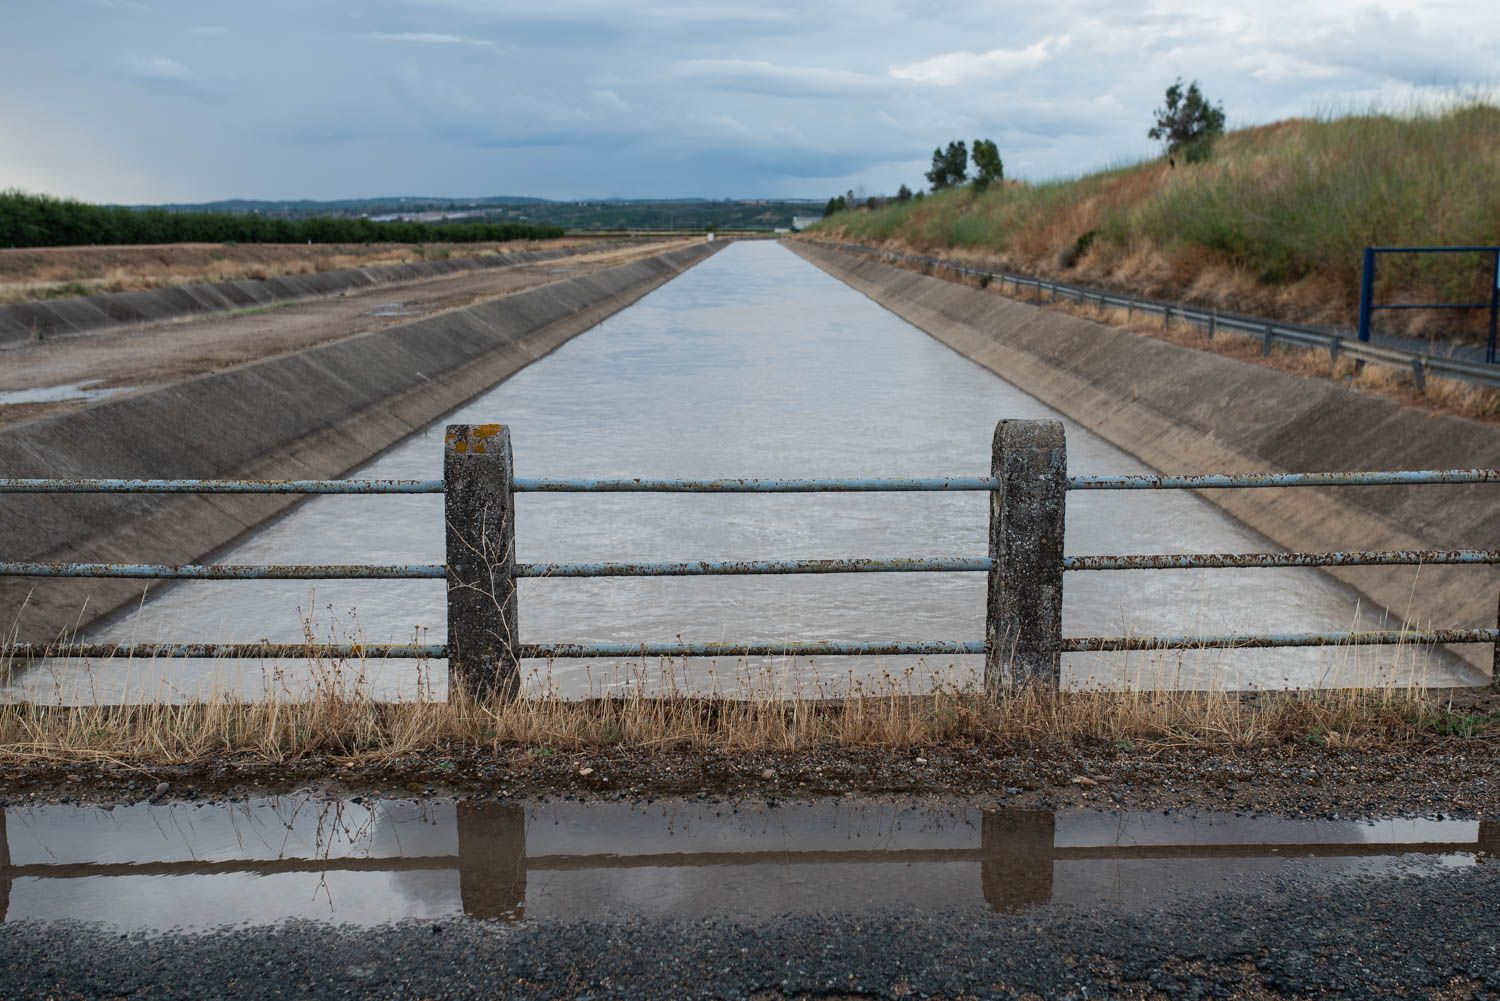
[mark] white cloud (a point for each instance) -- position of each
(426, 38)
(952, 68)
(157, 68)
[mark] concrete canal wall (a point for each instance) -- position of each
(25, 321)
(1186, 411)
(314, 413)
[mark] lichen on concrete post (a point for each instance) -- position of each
(1023, 630)
(480, 515)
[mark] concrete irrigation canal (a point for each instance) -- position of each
(1266, 846)
(751, 362)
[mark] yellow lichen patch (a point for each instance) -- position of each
(485, 430)
(460, 445)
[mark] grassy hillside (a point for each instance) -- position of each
(1274, 223)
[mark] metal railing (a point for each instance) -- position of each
(1025, 565)
(1212, 321)
(1368, 305)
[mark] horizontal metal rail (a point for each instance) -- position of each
(824, 648)
(1220, 561)
(1260, 641)
(1203, 481)
(162, 571)
(1212, 320)
(728, 485)
(549, 651)
(115, 486)
(729, 568)
(732, 568)
(1126, 481)
(230, 651)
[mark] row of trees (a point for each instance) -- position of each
(1187, 124)
(950, 166)
(42, 221)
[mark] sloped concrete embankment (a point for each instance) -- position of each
(311, 414)
(1186, 411)
(25, 321)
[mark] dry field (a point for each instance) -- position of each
(53, 272)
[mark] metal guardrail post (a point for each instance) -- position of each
(1023, 627)
(1366, 292)
(480, 515)
(1491, 348)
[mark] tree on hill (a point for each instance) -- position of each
(949, 167)
(988, 167)
(903, 194)
(834, 205)
(1187, 123)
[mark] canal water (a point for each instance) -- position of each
(162, 867)
(753, 363)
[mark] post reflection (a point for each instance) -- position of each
(176, 865)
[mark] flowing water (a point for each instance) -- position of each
(191, 867)
(753, 363)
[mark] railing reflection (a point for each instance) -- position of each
(1017, 855)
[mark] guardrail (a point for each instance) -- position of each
(1023, 639)
(1213, 321)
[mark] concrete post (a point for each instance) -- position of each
(480, 514)
(1023, 630)
(1495, 664)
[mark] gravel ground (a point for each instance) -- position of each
(1449, 776)
(1419, 934)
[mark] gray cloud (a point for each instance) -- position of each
(582, 98)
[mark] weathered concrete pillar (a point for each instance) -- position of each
(1023, 630)
(492, 860)
(480, 514)
(4, 865)
(1016, 870)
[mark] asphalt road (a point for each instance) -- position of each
(1426, 932)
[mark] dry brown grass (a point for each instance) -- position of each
(38, 273)
(339, 718)
(1273, 224)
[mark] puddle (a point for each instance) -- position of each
(54, 394)
(394, 309)
(180, 866)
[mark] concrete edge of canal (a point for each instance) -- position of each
(1146, 396)
(311, 414)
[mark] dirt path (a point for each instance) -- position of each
(153, 354)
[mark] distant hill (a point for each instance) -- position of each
(593, 215)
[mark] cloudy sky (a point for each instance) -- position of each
(188, 100)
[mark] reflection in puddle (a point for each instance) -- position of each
(54, 394)
(157, 867)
